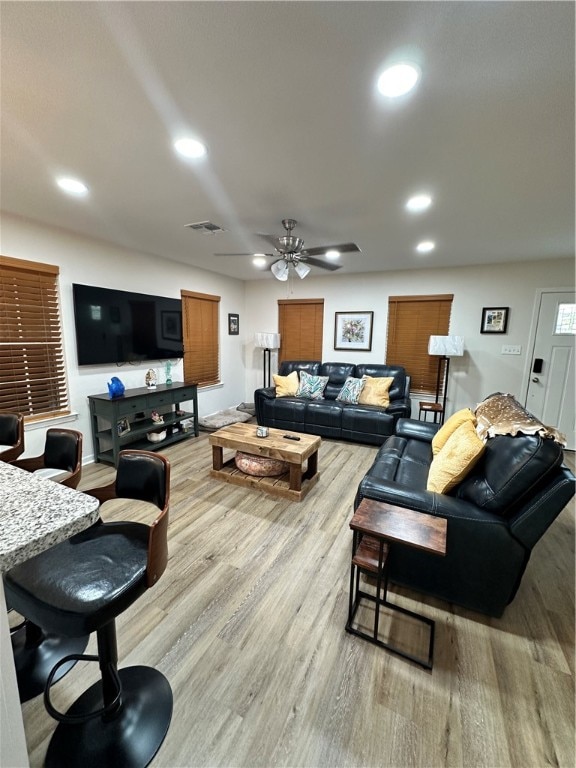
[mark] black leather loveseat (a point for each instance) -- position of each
(329, 417)
(495, 515)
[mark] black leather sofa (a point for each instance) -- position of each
(495, 516)
(330, 417)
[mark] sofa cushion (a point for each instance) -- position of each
(286, 386)
(310, 366)
(351, 390)
(376, 391)
(402, 461)
(447, 429)
(510, 470)
(456, 459)
(337, 374)
(311, 387)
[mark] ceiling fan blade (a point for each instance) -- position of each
(272, 239)
(321, 264)
(273, 255)
(341, 248)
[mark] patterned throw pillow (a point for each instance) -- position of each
(350, 392)
(311, 387)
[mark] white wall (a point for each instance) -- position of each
(482, 370)
(97, 263)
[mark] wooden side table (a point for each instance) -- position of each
(434, 408)
(377, 526)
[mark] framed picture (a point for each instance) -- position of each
(494, 319)
(172, 325)
(233, 325)
(353, 330)
(123, 427)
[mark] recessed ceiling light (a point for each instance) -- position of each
(72, 186)
(425, 246)
(398, 80)
(418, 203)
(190, 148)
(332, 255)
(259, 260)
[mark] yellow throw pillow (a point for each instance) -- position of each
(376, 391)
(458, 456)
(286, 386)
(455, 421)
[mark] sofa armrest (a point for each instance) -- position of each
(268, 392)
(425, 501)
(412, 429)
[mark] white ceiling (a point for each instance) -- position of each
(283, 94)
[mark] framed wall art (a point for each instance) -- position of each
(233, 325)
(353, 330)
(494, 319)
(123, 427)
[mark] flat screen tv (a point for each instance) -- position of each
(122, 327)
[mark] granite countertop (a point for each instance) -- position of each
(36, 513)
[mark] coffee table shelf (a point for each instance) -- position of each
(301, 455)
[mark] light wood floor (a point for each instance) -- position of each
(248, 622)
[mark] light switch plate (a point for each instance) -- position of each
(511, 349)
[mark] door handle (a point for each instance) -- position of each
(535, 379)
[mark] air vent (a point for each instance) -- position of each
(206, 227)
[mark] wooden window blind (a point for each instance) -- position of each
(32, 370)
(300, 324)
(201, 338)
(411, 322)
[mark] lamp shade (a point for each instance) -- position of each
(280, 270)
(267, 340)
(447, 346)
(301, 270)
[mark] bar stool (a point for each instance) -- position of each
(11, 436)
(80, 586)
(36, 651)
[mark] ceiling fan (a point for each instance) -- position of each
(294, 256)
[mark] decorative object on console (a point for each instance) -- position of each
(123, 427)
(156, 437)
(157, 418)
(446, 347)
(353, 330)
(115, 388)
(151, 379)
(267, 342)
(494, 320)
(168, 370)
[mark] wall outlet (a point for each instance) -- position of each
(511, 349)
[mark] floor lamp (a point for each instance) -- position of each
(445, 347)
(267, 342)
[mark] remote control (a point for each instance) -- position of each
(291, 437)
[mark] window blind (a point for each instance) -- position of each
(300, 324)
(32, 370)
(201, 340)
(411, 322)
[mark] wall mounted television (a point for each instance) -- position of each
(123, 327)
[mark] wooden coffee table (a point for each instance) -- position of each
(293, 485)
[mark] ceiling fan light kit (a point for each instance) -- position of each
(293, 254)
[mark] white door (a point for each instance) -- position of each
(551, 392)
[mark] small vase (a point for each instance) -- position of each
(169, 373)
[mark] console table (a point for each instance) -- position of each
(377, 527)
(134, 410)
